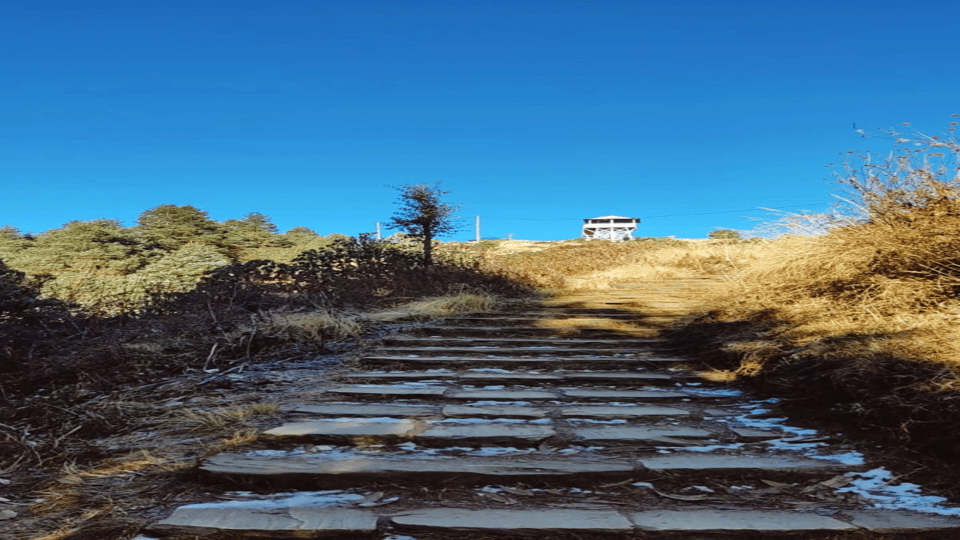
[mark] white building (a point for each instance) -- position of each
(613, 228)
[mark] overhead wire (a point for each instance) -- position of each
(670, 215)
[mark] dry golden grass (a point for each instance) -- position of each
(307, 326)
(582, 265)
(438, 307)
(863, 318)
(683, 259)
(219, 419)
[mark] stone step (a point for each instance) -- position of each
(543, 522)
(345, 467)
(481, 377)
(545, 332)
(368, 410)
(501, 432)
(397, 350)
(441, 356)
(434, 391)
(518, 342)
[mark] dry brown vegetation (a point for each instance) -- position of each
(859, 323)
(580, 264)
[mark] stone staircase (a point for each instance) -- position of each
(567, 420)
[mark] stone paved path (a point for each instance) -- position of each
(564, 420)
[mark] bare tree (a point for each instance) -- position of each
(424, 215)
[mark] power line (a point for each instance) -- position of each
(670, 215)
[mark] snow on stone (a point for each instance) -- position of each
(595, 421)
(714, 392)
(877, 485)
(847, 458)
(313, 499)
(482, 403)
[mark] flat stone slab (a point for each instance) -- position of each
(651, 435)
(485, 434)
(624, 376)
(366, 409)
(727, 520)
(347, 469)
(623, 395)
(204, 521)
(610, 411)
(340, 429)
(507, 360)
(509, 351)
(399, 376)
(721, 463)
(753, 434)
(390, 390)
(893, 521)
(505, 521)
(505, 395)
(492, 411)
(603, 343)
(487, 376)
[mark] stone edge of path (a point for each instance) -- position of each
(210, 520)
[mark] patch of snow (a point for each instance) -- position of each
(714, 392)
(785, 444)
(311, 499)
(595, 421)
(499, 451)
(408, 384)
(848, 458)
(577, 450)
(877, 485)
(490, 370)
(483, 403)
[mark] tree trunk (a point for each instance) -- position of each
(427, 246)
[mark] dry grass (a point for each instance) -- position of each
(310, 326)
(862, 320)
(438, 307)
(582, 265)
(219, 419)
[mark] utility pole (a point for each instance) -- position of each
(478, 228)
(378, 230)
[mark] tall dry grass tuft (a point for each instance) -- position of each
(861, 318)
(308, 326)
(437, 307)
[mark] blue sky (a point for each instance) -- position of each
(691, 115)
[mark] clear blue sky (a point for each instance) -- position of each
(535, 114)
